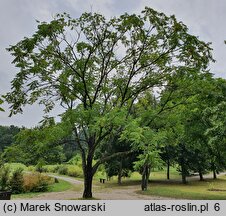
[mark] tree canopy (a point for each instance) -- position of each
(97, 68)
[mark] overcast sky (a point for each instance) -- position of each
(204, 18)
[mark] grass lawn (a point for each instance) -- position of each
(57, 187)
(207, 190)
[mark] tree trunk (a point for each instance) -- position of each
(214, 174)
(88, 178)
(120, 173)
(183, 172)
(143, 182)
(214, 171)
(200, 176)
(145, 178)
(168, 169)
(148, 172)
(87, 193)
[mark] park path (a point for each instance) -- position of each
(122, 193)
(118, 193)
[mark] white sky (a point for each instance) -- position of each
(204, 18)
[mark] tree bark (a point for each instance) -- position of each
(168, 169)
(214, 171)
(87, 193)
(88, 177)
(120, 173)
(214, 174)
(201, 176)
(145, 177)
(183, 172)
(143, 182)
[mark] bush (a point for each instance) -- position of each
(52, 168)
(36, 182)
(56, 168)
(14, 166)
(4, 177)
(16, 182)
(75, 171)
(76, 160)
(63, 170)
(41, 169)
(31, 168)
(40, 166)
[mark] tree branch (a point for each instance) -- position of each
(109, 157)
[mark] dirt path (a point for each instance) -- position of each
(122, 193)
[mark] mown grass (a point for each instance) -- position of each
(206, 190)
(209, 189)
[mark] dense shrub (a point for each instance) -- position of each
(63, 170)
(52, 168)
(36, 182)
(14, 166)
(4, 177)
(74, 171)
(17, 181)
(41, 169)
(31, 168)
(76, 160)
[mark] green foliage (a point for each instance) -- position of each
(1, 102)
(98, 85)
(63, 170)
(7, 134)
(31, 145)
(4, 178)
(76, 160)
(70, 170)
(40, 166)
(75, 171)
(17, 181)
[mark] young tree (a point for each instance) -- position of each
(96, 68)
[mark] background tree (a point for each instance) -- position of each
(96, 69)
(33, 145)
(7, 134)
(216, 137)
(119, 166)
